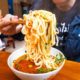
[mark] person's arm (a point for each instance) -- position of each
(7, 28)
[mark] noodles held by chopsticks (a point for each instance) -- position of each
(40, 35)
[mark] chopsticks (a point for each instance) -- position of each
(20, 21)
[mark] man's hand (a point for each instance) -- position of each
(7, 28)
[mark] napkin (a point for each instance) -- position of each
(2, 45)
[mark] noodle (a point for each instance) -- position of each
(40, 35)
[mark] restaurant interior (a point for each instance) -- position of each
(42, 36)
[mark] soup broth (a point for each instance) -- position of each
(27, 66)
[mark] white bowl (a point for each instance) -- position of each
(28, 76)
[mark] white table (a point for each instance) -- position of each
(18, 44)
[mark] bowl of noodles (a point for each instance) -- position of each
(38, 60)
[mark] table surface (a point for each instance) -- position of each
(70, 71)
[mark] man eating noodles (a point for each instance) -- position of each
(68, 22)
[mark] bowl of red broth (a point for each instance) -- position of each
(38, 60)
(27, 70)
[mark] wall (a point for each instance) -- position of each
(4, 6)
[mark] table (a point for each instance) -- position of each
(70, 71)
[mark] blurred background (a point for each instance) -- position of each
(16, 7)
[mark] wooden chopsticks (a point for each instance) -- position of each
(20, 21)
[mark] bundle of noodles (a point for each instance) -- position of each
(40, 34)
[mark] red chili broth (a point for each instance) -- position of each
(26, 66)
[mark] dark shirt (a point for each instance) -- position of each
(61, 16)
(64, 19)
(43, 4)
